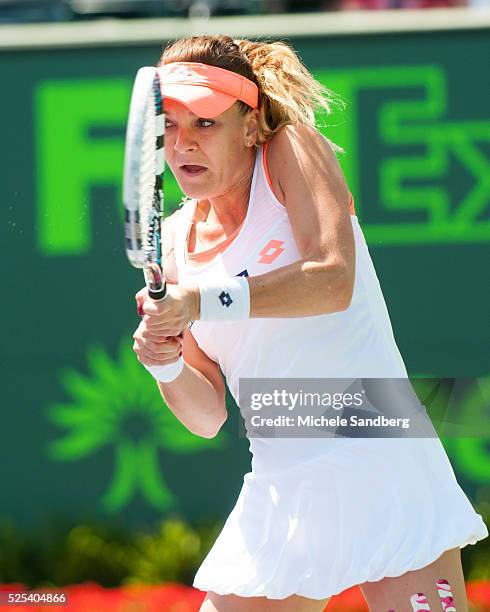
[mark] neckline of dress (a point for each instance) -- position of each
(233, 238)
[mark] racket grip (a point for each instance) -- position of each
(158, 294)
(166, 373)
(157, 286)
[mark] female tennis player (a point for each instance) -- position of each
(273, 279)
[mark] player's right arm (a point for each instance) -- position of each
(197, 395)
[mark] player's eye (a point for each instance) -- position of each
(203, 122)
(168, 123)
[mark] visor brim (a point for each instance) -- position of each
(200, 100)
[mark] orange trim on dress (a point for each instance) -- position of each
(208, 254)
(266, 169)
(352, 210)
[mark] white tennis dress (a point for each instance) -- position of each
(316, 516)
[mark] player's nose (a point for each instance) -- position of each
(184, 141)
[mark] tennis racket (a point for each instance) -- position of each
(144, 164)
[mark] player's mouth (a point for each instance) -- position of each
(192, 170)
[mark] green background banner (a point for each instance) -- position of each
(84, 432)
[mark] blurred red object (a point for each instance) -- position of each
(479, 595)
(351, 600)
(180, 598)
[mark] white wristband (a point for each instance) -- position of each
(225, 300)
(166, 373)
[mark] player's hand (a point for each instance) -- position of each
(168, 317)
(153, 348)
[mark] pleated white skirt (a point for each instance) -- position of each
(369, 509)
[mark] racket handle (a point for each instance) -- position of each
(166, 373)
(157, 286)
(158, 294)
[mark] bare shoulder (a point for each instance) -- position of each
(299, 140)
(298, 151)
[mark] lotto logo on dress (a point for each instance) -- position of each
(271, 251)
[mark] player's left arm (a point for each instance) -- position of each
(311, 185)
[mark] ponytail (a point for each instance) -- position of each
(289, 93)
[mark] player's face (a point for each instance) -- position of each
(208, 156)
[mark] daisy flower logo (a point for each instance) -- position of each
(119, 405)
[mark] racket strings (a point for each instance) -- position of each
(152, 166)
(159, 167)
(147, 174)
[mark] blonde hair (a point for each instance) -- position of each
(288, 92)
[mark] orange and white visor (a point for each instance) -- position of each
(207, 91)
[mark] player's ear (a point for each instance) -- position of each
(251, 128)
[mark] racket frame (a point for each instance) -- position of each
(145, 251)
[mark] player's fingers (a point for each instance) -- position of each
(141, 296)
(148, 361)
(156, 335)
(167, 328)
(157, 343)
(164, 348)
(154, 322)
(148, 357)
(164, 321)
(141, 346)
(169, 332)
(155, 308)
